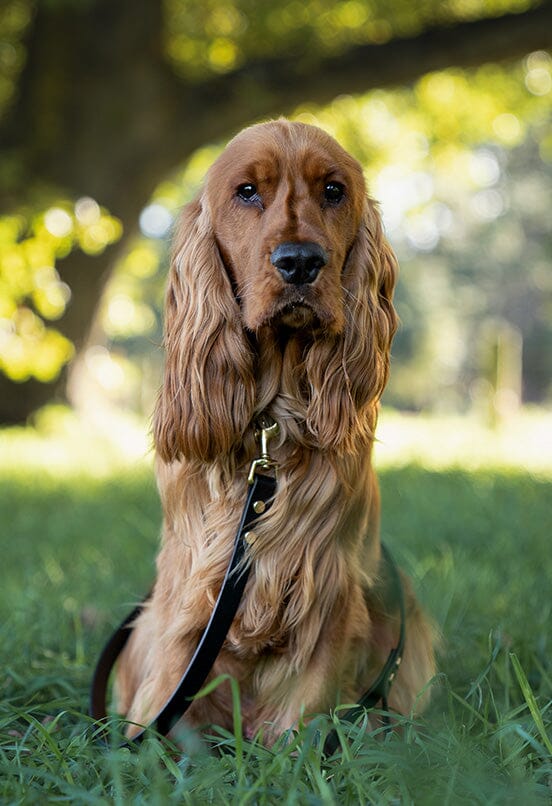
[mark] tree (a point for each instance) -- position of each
(114, 96)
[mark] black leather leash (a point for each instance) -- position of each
(261, 493)
(259, 499)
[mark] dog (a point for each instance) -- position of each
(279, 301)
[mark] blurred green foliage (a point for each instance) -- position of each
(15, 17)
(216, 36)
(31, 291)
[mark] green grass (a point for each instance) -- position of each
(78, 544)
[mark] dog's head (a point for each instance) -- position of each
(283, 247)
(286, 203)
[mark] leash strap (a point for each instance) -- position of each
(259, 499)
(379, 690)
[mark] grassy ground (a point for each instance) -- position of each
(79, 520)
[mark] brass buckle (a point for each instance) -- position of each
(268, 429)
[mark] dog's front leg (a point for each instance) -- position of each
(148, 671)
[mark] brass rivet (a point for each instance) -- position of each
(259, 507)
(250, 537)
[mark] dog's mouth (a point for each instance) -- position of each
(299, 308)
(295, 310)
(298, 315)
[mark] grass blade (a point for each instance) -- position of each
(531, 701)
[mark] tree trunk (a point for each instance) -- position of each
(95, 103)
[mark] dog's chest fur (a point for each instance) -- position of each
(302, 571)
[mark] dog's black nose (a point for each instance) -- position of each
(299, 263)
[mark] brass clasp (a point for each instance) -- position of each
(268, 429)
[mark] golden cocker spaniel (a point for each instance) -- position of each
(279, 301)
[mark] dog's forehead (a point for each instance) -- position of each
(270, 151)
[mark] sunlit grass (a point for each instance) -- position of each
(105, 440)
(79, 524)
(62, 443)
(522, 442)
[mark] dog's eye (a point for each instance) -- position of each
(247, 192)
(333, 192)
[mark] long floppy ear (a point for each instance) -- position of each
(207, 396)
(348, 375)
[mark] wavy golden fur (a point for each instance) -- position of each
(244, 334)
